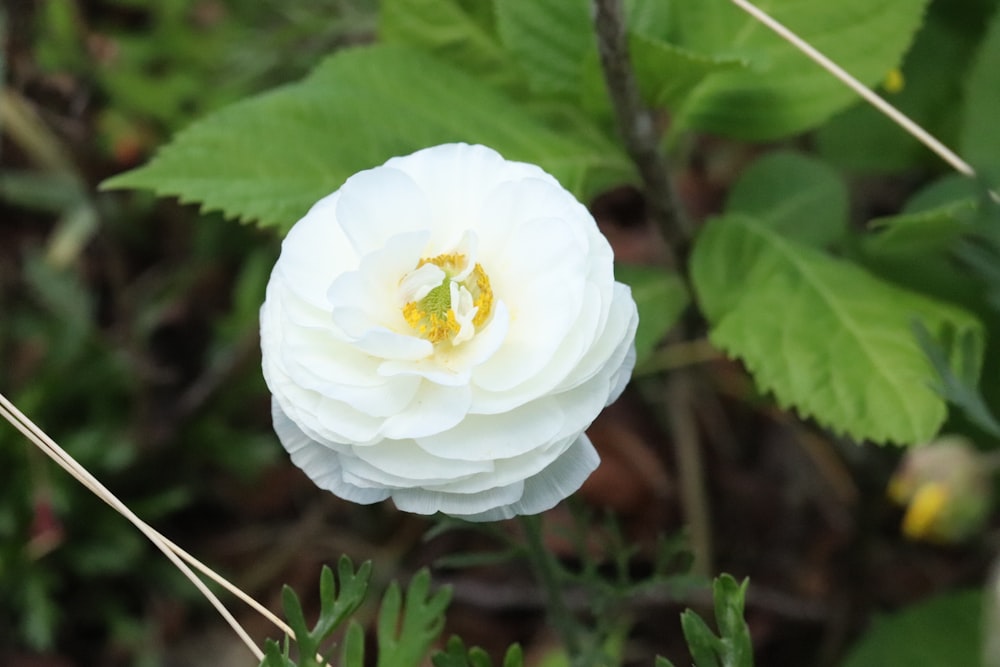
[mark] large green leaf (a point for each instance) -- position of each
(783, 92)
(799, 196)
(450, 30)
(943, 631)
(825, 336)
(550, 39)
(666, 73)
(271, 157)
(862, 138)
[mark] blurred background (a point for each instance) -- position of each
(128, 331)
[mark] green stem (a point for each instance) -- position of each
(548, 571)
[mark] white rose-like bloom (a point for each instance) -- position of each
(441, 331)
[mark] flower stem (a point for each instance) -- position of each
(636, 126)
(547, 569)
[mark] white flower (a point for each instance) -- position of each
(440, 331)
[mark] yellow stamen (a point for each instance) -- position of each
(433, 317)
(925, 510)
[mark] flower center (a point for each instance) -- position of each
(446, 298)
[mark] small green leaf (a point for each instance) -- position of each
(297, 621)
(702, 642)
(270, 157)
(660, 297)
(824, 335)
(453, 655)
(404, 638)
(353, 651)
(335, 609)
(479, 658)
(800, 197)
(273, 655)
(944, 630)
(662, 662)
(514, 657)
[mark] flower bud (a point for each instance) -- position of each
(946, 488)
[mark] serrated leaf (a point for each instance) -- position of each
(783, 92)
(980, 137)
(447, 29)
(269, 158)
(798, 196)
(921, 233)
(550, 39)
(944, 630)
(660, 297)
(825, 336)
(666, 73)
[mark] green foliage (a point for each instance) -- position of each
(660, 297)
(782, 92)
(406, 631)
(456, 655)
(934, 74)
(732, 646)
(822, 334)
(799, 197)
(944, 630)
(980, 136)
(335, 608)
(551, 60)
(220, 163)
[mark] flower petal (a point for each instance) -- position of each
(320, 463)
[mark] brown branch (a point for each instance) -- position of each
(636, 126)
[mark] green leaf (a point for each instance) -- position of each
(660, 297)
(335, 609)
(353, 652)
(514, 657)
(550, 39)
(958, 386)
(729, 599)
(825, 336)
(702, 643)
(271, 157)
(921, 233)
(667, 73)
(863, 139)
(980, 138)
(447, 29)
(798, 196)
(406, 632)
(783, 92)
(944, 630)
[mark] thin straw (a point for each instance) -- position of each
(894, 114)
(31, 431)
